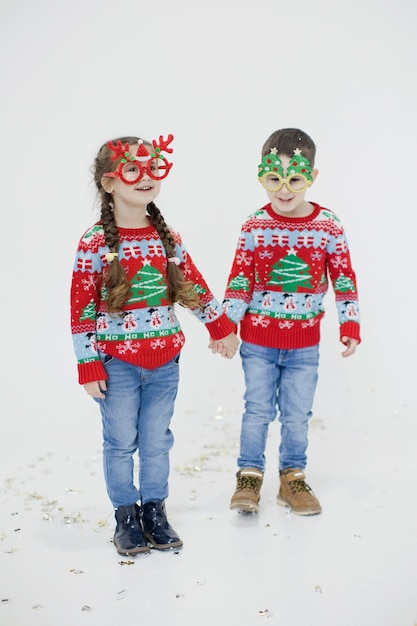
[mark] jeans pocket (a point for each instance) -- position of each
(105, 358)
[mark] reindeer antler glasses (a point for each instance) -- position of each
(131, 169)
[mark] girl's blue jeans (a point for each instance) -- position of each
(136, 416)
(277, 380)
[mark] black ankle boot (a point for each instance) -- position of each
(128, 537)
(156, 527)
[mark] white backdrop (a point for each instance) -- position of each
(221, 76)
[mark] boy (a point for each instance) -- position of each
(287, 252)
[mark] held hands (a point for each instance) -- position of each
(227, 346)
(96, 389)
(351, 346)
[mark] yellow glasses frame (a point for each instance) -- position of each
(280, 181)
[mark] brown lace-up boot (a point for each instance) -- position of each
(247, 495)
(296, 494)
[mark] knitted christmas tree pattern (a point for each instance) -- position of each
(240, 283)
(344, 284)
(89, 312)
(290, 273)
(148, 285)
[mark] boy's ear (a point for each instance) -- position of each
(314, 174)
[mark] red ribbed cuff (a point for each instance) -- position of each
(221, 327)
(351, 330)
(91, 371)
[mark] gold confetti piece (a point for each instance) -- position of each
(49, 504)
(12, 550)
(70, 519)
(318, 423)
(263, 612)
(126, 562)
(47, 517)
(34, 496)
(86, 607)
(122, 594)
(102, 523)
(76, 571)
(267, 525)
(318, 589)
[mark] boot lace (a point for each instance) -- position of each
(248, 482)
(299, 485)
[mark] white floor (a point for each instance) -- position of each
(354, 565)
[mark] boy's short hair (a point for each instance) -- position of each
(286, 140)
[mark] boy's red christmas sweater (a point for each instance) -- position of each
(147, 333)
(281, 273)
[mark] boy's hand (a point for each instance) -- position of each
(227, 346)
(351, 346)
(96, 389)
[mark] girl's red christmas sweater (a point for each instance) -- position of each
(147, 333)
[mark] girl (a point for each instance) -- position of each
(130, 270)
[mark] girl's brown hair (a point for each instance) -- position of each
(115, 279)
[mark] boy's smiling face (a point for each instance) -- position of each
(289, 203)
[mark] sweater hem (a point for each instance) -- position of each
(282, 340)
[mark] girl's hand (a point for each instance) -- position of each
(96, 389)
(226, 347)
(351, 346)
(214, 346)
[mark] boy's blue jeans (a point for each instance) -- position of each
(283, 380)
(136, 416)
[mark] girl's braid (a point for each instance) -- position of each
(179, 290)
(115, 279)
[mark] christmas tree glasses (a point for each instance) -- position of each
(299, 172)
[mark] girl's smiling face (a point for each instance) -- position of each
(139, 189)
